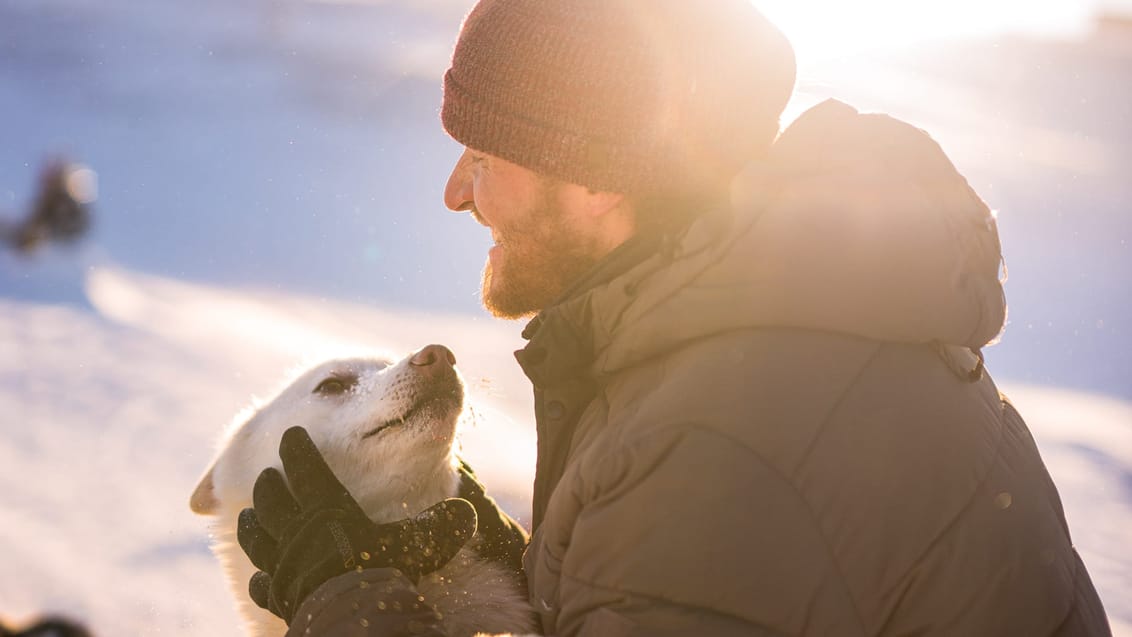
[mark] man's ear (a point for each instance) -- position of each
(591, 203)
(606, 216)
(601, 203)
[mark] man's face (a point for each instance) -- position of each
(541, 242)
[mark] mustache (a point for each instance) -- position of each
(495, 232)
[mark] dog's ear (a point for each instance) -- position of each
(203, 500)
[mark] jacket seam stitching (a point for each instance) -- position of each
(959, 514)
(1077, 564)
(694, 427)
(789, 482)
(668, 601)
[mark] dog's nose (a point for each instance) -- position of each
(433, 355)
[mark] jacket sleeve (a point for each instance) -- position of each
(377, 602)
(686, 532)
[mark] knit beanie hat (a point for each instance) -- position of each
(631, 96)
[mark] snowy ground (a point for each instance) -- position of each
(270, 191)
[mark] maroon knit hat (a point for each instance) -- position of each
(634, 96)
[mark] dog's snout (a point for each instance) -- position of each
(433, 355)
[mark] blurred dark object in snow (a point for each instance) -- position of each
(61, 211)
(47, 627)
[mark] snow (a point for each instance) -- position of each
(270, 177)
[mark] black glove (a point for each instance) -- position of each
(299, 542)
(501, 538)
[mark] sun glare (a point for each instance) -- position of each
(822, 30)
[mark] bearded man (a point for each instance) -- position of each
(759, 389)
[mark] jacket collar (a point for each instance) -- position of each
(560, 338)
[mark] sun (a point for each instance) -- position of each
(822, 30)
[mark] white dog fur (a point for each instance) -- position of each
(406, 467)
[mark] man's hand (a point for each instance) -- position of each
(501, 538)
(303, 536)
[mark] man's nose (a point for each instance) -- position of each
(458, 195)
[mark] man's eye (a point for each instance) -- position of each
(335, 385)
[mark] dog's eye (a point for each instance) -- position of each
(335, 386)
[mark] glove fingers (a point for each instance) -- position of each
(261, 548)
(259, 589)
(314, 484)
(275, 507)
(436, 535)
(457, 515)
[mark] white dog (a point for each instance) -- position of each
(388, 431)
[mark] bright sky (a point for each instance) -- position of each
(825, 29)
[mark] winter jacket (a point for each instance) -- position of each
(780, 423)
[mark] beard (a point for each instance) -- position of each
(538, 258)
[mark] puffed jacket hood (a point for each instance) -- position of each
(854, 223)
